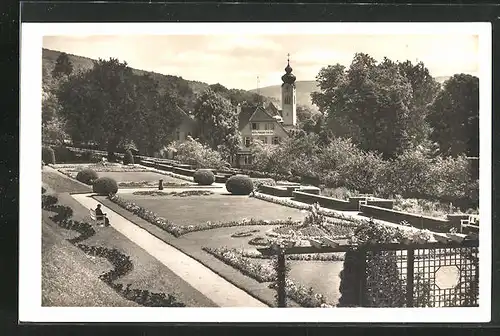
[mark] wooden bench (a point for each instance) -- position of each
(99, 221)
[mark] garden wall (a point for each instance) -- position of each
(325, 202)
(276, 191)
(418, 221)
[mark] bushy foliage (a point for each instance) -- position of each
(239, 185)
(48, 155)
(218, 122)
(204, 177)
(64, 154)
(410, 174)
(105, 186)
(454, 116)
(380, 105)
(342, 164)
(128, 158)
(259, 182)
(194, 153)
(87, 176)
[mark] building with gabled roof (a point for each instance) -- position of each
(267, 122)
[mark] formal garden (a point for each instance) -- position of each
(225, 226)
(356, 207)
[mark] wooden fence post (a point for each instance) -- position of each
(361, 256)
(410, 257)
(281, 280)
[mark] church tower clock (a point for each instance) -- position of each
(288, 97)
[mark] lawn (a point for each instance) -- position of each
(61, 184)
(70, 277)
(322, 276)
(213, 208)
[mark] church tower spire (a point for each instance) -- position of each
(288, 96)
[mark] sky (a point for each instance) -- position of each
(236, 61)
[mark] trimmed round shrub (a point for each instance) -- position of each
(87, 176)
(48, 155)
(128, 158)
(105, 186)
(204, 177)
(239, 185)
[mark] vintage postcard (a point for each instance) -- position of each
(199, 172)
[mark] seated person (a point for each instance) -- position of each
(100, 215)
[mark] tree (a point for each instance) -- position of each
(454, 116)
(218, 121)
(53, 131)
(424, 90)
(159, 115)
(63, 66)
(100, 104)
(110, 105)
(374, 104)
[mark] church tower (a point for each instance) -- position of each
(288, 97)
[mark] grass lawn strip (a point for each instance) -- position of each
(61, 184)
(264, 272)
(247, 284)
(63, 266)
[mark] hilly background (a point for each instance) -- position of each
(188, 89)
(304, 89)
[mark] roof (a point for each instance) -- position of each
(273, 110)
(261, 114)
(244, 116)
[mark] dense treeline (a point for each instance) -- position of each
(384, 127)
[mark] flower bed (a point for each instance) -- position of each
(184, 193)
(259, 241)
(304, 296)
(241, 234)
(178, 230)
(256, 270)
(121, 262)
(98, 167)
(297, 257)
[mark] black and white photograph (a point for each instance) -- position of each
(337, 169)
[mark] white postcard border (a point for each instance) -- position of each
(30, 309)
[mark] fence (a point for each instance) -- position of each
(401, 275)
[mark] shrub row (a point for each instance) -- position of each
(178, 230)
(121, 262)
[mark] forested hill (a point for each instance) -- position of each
(185, 89)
